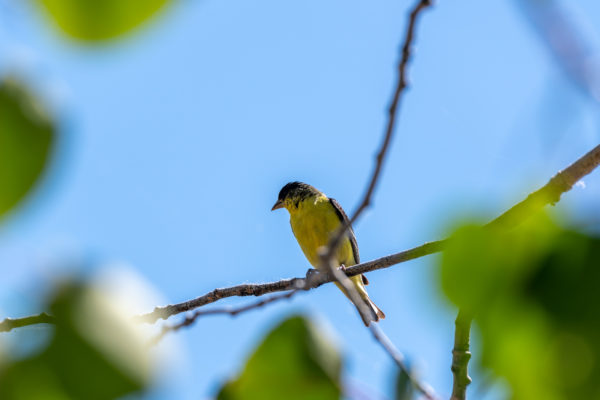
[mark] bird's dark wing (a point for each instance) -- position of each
(344, 219)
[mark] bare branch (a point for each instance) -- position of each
(9, 324)
(259, 289)
(247, 289)
(233, 311)
(398, 358)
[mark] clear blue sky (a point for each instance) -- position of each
(178, 139)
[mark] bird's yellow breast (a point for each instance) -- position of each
(313, 222)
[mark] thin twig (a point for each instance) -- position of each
(398, 358)
(393, 110)
(560, 183)
(461, 355)
(401, 85)
(233, 311)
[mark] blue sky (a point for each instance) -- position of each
(177, 140)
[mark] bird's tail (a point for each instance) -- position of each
(375, 313)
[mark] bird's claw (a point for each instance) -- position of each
(342, 268)
(311, 272)
(311, 275)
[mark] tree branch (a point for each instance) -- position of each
(9, 324)
(460, 357)
(259, 289)
(190, 319)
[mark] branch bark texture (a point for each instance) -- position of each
(461, 355)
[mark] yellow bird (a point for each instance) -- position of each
(314, 219)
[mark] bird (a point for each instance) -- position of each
(314, 218)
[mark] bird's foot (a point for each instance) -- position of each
(311, 272)
(342, 268)
(311, 275)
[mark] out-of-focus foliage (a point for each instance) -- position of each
(95, 353)
(26, 137)
(404, 389)
(97, 20)
(295, 361)
(534, 294)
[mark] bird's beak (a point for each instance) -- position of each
(278, 204)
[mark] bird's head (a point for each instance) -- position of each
(293, 193)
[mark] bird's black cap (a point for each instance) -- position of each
(297, 190)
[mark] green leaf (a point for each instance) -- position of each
(533, 292)
(97, 20)
(94, 353)
(294, 362)
(26, 138)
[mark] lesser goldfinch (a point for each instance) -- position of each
(314, 219)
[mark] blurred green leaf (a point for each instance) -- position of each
(533, 292)
(97, 20)
(404, 387)
(94, 354)
(26, 137)
(294, 362)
